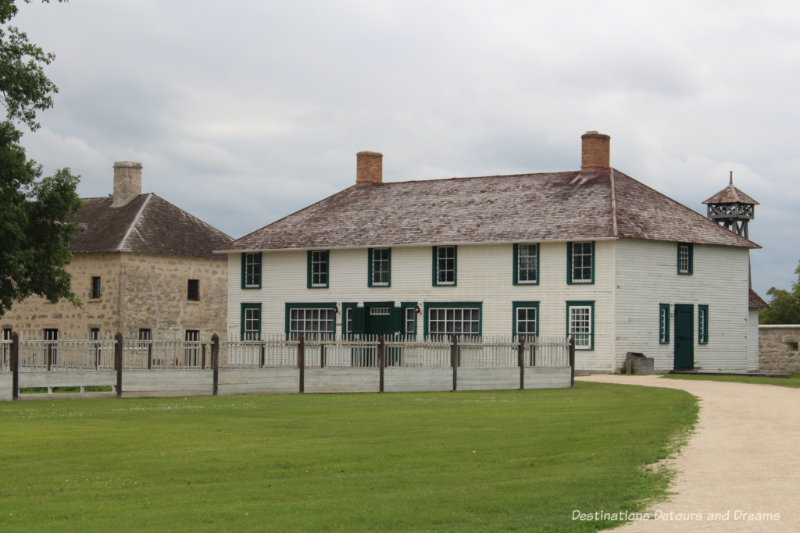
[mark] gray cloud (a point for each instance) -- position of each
(243, 112)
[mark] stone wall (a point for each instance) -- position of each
(778, 348)
(153, 295)
(138, 291)
(33, 315)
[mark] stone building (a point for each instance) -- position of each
(141, 267)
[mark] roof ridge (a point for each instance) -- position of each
(134, 223)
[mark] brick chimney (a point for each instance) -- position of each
(369, 168)
(127, 182)
(595, 152)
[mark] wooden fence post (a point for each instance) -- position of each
(263, 354)
(149, 355)
(301, 362)
(321, 355)
(381, 360)
(521, 362)
(215, 363)
(572, 361)
(454, 361)
(118, 362)
(14, 364)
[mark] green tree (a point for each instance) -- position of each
(784, 306)
(35, 212)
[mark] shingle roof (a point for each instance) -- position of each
(756, 302)
(553, 206)
(147, 224)
(730, 195)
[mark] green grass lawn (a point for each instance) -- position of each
(793, 381)
(466, 461)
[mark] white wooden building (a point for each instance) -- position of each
(591, 253)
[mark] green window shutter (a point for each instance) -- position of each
(569, 263)
(359, 320)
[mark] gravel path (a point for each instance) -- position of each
(740, 470)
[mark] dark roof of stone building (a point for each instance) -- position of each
(552, 206)
(730, 195)
(148, 224)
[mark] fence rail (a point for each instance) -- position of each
(418, 355)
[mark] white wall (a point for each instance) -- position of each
(646, 274)
(484, 274)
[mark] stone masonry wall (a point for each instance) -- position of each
(778, 348)
(33, 315)
(153, 295)
(137, 291)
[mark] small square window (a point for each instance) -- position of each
(193, 292)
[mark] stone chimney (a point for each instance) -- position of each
(127, 182)
(369, 168)
(595, 152)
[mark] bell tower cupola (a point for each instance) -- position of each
(732, 208)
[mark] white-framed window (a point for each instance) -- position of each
(444, 265)
(251, 322)
(663, 323)
(454, 319)
(251, 270)
(526, 264)
(410, 321)
(580, 324)
(702, 324)
(380, 262)
(685, 258)
(192, 347)
(580, 262)
(526, 318)
(314, 323)
(318, 269)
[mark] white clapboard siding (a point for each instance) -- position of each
(484, 274)
(258, 381)
(646, 274)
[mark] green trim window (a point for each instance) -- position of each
(526, 264)
(702, 324)
(456, 318)
(250, 322)
(380, 267)
(251, 270)
(313, 321)
(526, 318)
(410, 320)
(580, 324)
(580, 262)
(444, 265)
(318, 269)
(685, 258)
(663, 323)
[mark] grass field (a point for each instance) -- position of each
(793, 381)
(466, 461)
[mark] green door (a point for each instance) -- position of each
(684, 337)
(379, 319)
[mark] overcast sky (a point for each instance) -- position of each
(242, 112)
